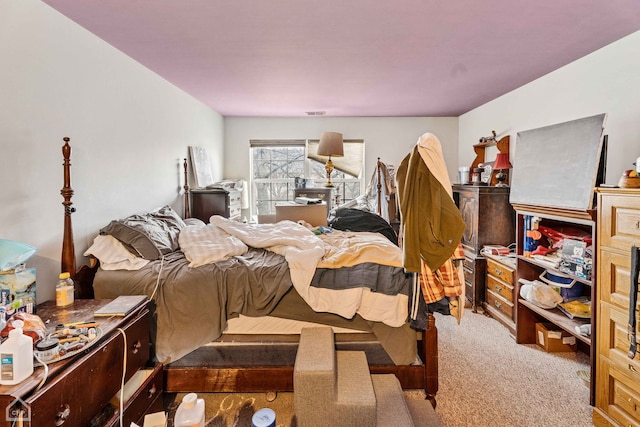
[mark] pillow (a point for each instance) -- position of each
(150, 235)
(209, 244)
(194, 221)
(113, 255)
(13, 253)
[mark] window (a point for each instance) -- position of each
(276, 163)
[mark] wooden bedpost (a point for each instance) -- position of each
(187, 207)
(379, 188)
(68, 261)
(430, 349)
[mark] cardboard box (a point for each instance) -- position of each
(17, 292)
(579, 269)
(552, 339)
(314, 214)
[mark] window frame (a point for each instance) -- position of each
(319, 182)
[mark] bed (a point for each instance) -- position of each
(232, 325)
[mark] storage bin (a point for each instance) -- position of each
(569, 288)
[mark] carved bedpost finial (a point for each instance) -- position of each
(187, 208)
(68, 262)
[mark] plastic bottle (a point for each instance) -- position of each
(64, 290)
(16, 356)
(190, 413)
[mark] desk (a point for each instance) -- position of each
(324, 193)
(315, 214)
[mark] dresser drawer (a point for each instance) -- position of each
(620, 227)
(499, 287)
(500, 303)
(614, 278)
(146, 399)
(613, 340)
(622, 399)
(74, 397)
(500, 271)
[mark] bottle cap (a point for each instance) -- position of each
(189, 400)
(264, 417)
(17, 328)
(64, 275)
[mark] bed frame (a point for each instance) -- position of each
(200, 375)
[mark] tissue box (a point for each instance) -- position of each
(17, 292)
(552, 340)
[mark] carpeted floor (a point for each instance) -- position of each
(486, 380)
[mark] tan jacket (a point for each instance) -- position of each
(432, 223)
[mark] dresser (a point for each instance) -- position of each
(325, 194)
(216, 201)
(500, 296)
(490, 220)
(64, 400)
(617, 375)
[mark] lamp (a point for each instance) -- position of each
(502, 163)
(330, 145)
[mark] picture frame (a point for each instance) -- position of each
(201, 166)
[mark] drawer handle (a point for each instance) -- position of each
(498, 272)
(152, 391)
(633, 369)
(136, 347)
(498, 304)
(632, 402)
(63, 414)
(498, 288)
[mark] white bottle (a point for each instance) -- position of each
(16, 356)
(190, 413)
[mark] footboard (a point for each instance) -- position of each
(269, 367)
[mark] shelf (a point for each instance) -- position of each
(556, 317)
(553, 270)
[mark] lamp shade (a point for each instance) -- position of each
(331, 144)
(502, 161)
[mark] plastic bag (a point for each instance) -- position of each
(539, 294)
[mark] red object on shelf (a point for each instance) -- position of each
(557, 236)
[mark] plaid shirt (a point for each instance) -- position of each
(445, 281)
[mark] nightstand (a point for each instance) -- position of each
(64, 399)
(216, 201)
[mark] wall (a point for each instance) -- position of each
(605, 81)
(389, 138)
(129, 132)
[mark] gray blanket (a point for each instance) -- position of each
(192, 305)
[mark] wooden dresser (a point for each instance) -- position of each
(500, 297)
(617, 375)
(216, 201)
(77, 390)
(490, 220)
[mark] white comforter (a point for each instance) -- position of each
(305, 251)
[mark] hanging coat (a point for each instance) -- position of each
(432, 223)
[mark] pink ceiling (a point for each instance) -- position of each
(353, 57)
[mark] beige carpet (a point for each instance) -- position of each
(486, 380)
